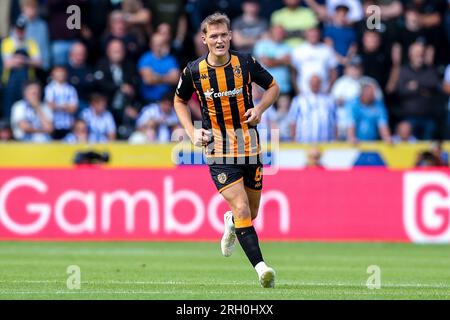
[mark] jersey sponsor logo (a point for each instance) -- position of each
(204, 76)
(210, 94)
(222, 177)
(426, 206)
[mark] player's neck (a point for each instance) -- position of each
(216, 61)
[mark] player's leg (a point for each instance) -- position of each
(253, 179)
(254, 199)
(238, 201)
(225, 176)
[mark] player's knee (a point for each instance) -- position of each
(242, 211)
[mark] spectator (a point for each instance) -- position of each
(431, 17)
(446, 89)
(158, 69)
(5, 13)
(428, 159)
(314, 158)
(116, 78)
(5, 131)
(376, 63)
(417, 87)
(326, 11)
(275, 56)
(434, 157)
(249, 27)
(118, 29)
(312, 115)
(387, 25)
(348, 88)
(436, 149)
(100, 121)
(199, 47)
(367, 117)
(295, 20)
(62, 98)
(31, 120)
(80, 75)
(138, 19)
(412, 32)
(340, 36)
(172, 13)
(62, 38)
(447, 21)
(36, 29)
(158, 120)
(403, 133)
(269, 119)
(314, 57)
(79, 133)
(20, 57)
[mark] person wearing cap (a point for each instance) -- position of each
(340, 35)
(20, 57)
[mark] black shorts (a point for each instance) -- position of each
(226, 175)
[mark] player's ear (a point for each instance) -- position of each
(204, 38)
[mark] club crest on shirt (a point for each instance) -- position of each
(222, 177)
(237, 71)
(204, 76)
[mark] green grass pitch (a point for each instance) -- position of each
(189, 270)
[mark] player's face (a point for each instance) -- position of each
(217, 38)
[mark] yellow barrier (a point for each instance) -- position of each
(123, 155)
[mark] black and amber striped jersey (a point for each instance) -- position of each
(225, 94)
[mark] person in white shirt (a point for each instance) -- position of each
(31, 120)
(62, 98)
(158, 120)
(347, 88)
(314, 57)
(100, 121)
(312, 115)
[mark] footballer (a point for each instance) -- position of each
(223, 79)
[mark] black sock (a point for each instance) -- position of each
(249, 242)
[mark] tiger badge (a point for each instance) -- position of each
(237, 71)
(222, 177)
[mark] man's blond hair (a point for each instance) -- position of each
(213, 19)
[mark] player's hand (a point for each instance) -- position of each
(254, 116)
(201, 137)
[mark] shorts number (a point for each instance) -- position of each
(258, 174)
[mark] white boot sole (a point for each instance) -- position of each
(267, 279)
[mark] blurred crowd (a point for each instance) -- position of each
(348, 70)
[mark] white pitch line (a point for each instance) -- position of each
(248, 283)
(270, 293)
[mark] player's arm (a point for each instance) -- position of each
(265, 80)
(183, 93)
